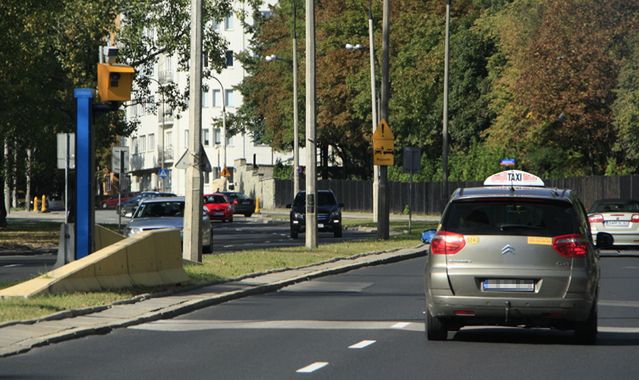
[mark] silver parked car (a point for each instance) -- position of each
(513, 253)
(618, 217)
(158, 213)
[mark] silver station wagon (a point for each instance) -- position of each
(513, 253)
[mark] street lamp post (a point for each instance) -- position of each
(371, 48)
(296, 140)
(445, 112)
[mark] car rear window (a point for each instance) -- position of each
(616, 206)
(324, 198)
(160, 209)
(511, 217)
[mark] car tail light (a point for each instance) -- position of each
(447, 243)
(464, 313)
(571, 245)
(235, 202)
(596, 218)
(634, 218)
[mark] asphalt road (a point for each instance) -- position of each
(19, 267)
(364, 324)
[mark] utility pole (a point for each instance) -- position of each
(445, 116)
(192, 237)
(311, 157)
(382, 197)
(296, 133)
(371, 50)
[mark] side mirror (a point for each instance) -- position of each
(428, 235)
(288, 205)
(605, 240)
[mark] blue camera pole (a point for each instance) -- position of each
(84, 173)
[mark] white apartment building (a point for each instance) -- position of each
(160, 141)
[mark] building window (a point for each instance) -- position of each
(142, 144)
(266, 14)
(229, 58)
(228, 22)
(217, 98)
(134, 144)
(150, 144)
(205, 136)
(230, 98)
(218, 133)
(205, 97)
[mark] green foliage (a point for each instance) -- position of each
(281, 171)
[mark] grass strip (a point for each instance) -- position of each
(215, 268)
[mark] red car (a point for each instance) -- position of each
(112, 201)
(219, 207)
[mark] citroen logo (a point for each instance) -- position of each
(508, 250)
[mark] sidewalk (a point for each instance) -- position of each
(20, 337)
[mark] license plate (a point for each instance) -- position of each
(617, 223)
(218, 213)
(508, 285)
(320, 225)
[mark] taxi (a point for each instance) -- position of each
(514, 253)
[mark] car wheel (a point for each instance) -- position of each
(231, 220)
(248, 214)
(586, 331)
(294, 234)
(435, 328)
(209, 247)
(337, 232)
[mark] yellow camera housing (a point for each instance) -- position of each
(114, 82)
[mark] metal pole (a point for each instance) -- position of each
(296, 134)
(445, 116)
(223, 120)
(66, 181)
(410, 202)
(311, 157)
(371, 48)
(121, 179)
(383, 221)
(192, 237)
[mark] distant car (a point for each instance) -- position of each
(242, 204)
(513, 253)
(218, 207)
(618, 217)
(112, 201)
(128, 207)
(159, 213)
(329, 213)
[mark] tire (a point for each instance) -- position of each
(209, 247)
(248, 214)
(435, 328)
(294, 234)
(586, 331)
(231, 220)
(337, 232)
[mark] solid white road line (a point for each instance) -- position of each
(12, 265)
(400, 325)
(312, 367)
(362, 344)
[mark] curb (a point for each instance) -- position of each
(192, 305)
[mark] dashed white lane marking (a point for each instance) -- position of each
(400, 325)
(312, 367)
(12, 265)
(362, 344)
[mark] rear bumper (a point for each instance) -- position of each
(620, 238)
(510, 310)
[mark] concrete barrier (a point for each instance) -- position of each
(149, 258)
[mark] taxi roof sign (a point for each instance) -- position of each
(513, 178)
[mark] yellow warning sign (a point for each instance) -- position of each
(225, 172)
(383, 145)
